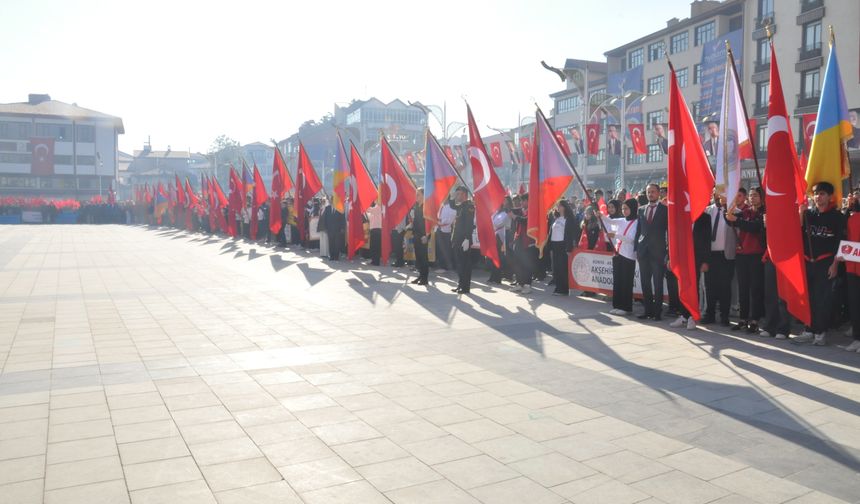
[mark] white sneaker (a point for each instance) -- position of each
(853, 347)
(679, 322)
(819, 340)
(516, 288)
(617, 311)
(691, 324)
(764, 334)
(780, 336)
(805, 337)
(526, 289)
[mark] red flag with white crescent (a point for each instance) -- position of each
(526, 146)
(637, 135)
(562, 142)
(489, 194)
(690, 185)
(592, 133)
(396, 193)
(784, 187)
(496, 154)
(362, 192)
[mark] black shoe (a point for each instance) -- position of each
(707, 319)
(740, 326)
(752, 328)
(657, 318)
(422, 282)
(644, 316)
(416, 281)
(464, 291)
(457, 290)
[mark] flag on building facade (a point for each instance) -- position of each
(592, 134)
(637, 138)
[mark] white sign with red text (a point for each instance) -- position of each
(849, 251)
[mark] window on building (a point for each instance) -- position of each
(705, 33)
(765, 9)
(763, 52)
(87, 160)
(696, 110)
(655, 153)
(653, 118)
(568, 104)
(635, 58)
(761, 137)
(736, 23)
(656, 51)
(812, 36)
(62, 132)
(9, 157)
(683, 79)
(85, 133)
(15, 130)
(810, 84)
(656, 85)
(63, 159)
(679, 42)
(762, 94)
(697, 73)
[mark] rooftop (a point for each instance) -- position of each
(44, 106)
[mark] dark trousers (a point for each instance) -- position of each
(421, 259)
(623, 270)
(821, 298)
(538, 263)
(672, 292)
(464, 267)
(776, 319)
(524, 269)
(496, 273)
(750, 286)
(559, 266)
(852, 285)
(444, 251)
(651, 271)
(375, 246)
(396, 248)
(335, 244)
(718, 285)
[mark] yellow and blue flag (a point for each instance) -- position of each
(828, 157)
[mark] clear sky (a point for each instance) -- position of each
(186, 71)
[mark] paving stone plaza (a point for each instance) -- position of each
(156, 366)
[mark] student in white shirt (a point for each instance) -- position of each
(561, 239)
(623, 232)
(374, 218)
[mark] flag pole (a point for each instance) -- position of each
(746, 116)
(575, 173)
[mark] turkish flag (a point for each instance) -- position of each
(410, 162)
(562, 142)
(601, 205)
(526, 146)
(592, 133)
(396, 193)
(808, 121)
(259, 197)
(307, 186)
(496, 154)
(180, 194)
(42, 161)
(281, 183)
(488, 192)
(785, 187)
(690, 185)
(637, 135)
(362, 193)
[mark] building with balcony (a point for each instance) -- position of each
(57, 150)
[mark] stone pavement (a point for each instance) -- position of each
(148, 366)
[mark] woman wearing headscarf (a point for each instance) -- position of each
(623, 232)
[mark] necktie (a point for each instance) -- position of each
(651, 212)
(716, 225)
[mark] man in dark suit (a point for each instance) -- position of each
(419, 239)
(713, 139)
(461, 239)
(651, 233)
(660, 137)
(613, 146)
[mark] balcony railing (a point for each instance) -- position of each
(808, 5)
(764, 19)
(810, 51)
(808, 100)
(760, 110)
(762, 66)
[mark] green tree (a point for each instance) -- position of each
(224, 151)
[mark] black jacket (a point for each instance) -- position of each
(418, 227)
(822, 231)
(464, 224)
(651, 238)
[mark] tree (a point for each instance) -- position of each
(224, 151)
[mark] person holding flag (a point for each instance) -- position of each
(461, 239)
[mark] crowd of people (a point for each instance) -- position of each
(729, 241)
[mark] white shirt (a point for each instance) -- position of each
(718, 242)
(374, 217)
(246, 215)
(557, 232)
(446, 218)
(625, 235)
